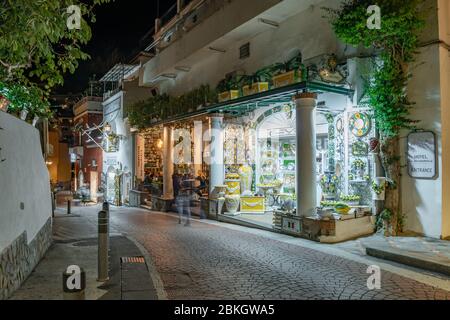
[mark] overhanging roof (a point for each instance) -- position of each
(262, 99)
(119, 72)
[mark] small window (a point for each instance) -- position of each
(244, 51)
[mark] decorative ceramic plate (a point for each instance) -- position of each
(359, 124)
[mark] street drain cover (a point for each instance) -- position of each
(132, 260)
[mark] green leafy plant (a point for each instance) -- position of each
(230, 83)
(378, 188)
(359, 164)
(344, 197)
(396, 43)
(383, 218)
(262, 75)
(144, 113)
(21, 98)
(37, 47)
(294, 63)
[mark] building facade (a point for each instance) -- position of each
(86, 153)
(193, 49)
(121, 142)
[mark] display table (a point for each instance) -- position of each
(326, 230)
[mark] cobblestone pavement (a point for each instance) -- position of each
(206, 261)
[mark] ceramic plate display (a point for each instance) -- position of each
(359, 124)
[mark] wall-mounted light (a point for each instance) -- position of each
(169, 75)
(271, 23)
(49, 163)
(182, 68)
(217, 50)
(107, 128)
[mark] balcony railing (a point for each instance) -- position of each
(177, 21)
(111, 93)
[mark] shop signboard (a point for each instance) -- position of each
(422, 155)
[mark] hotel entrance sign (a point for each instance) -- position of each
(422, 155)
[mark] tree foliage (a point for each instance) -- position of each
(397, 40)
(36, 45)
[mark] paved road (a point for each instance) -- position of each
(206, 261)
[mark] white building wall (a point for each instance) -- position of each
(113, 114)
(24, 179)
(308, 32)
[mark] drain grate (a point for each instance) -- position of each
(132, 260)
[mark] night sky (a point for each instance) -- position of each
(116, 36)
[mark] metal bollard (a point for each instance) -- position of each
(106, 206)
(74, 283)
(103, 246)
(68, 207)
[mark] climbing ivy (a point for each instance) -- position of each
(396, 44)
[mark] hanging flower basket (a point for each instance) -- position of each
(379, 188)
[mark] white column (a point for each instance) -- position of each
(198, 146)
(167, 162)
(217, 172)
(306, 154)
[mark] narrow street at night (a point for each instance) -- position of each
(219, 261)
(222, 159)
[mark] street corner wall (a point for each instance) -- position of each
(25, 203)
(422, 199)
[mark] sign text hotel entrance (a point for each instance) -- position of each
(422, 155)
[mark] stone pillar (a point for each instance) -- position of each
(306, 154)
(217, 172)
(198, 146)
(167, 163)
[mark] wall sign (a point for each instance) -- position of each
(422, 155)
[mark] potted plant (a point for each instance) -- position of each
(288, 72)
(328, 183)
(379, 188)
(359, 166)
(257, 82)
(229, 88)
